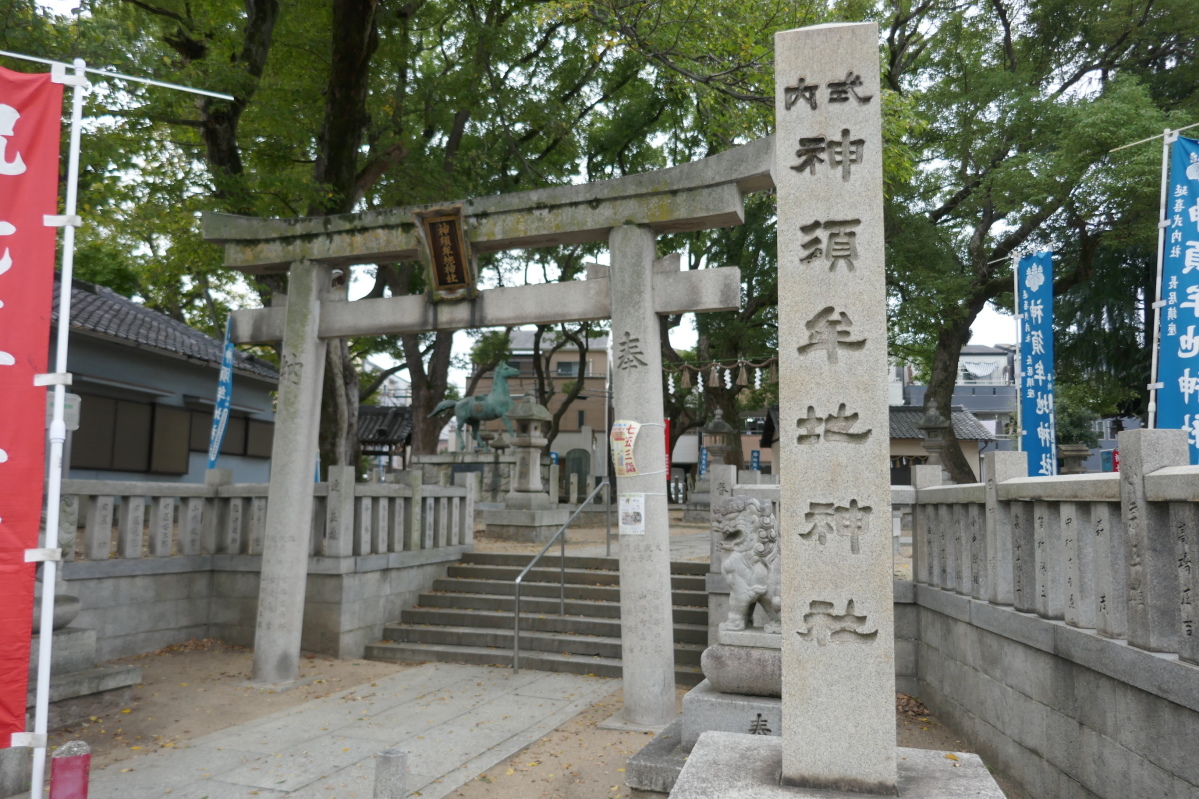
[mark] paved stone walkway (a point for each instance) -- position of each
(689, 546)
(454, 721)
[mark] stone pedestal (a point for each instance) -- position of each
(706, 709)
(1072, 456)
(73, 669)
(529, 514)
(78, 688)
(724, 765)
(528, 526)
(699, 502)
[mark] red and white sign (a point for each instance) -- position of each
(30, 121)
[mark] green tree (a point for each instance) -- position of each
(343, 107)
(1023, 102)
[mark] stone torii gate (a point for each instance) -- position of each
(629, 213)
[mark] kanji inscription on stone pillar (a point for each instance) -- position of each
(838, 638)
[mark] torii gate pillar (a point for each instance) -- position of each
(646, 623)
(289, 513)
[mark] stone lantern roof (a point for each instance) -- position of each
(526, 410)
(720, 438)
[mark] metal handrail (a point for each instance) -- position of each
(561, 534)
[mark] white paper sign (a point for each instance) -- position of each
(632, 514)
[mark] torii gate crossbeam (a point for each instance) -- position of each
(627, 212)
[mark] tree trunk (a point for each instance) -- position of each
(428, 388)
(355, 39)
(339, 408)
(941, 384)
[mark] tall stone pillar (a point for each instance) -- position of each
(835, 524)
(293, 459)
(646, 623)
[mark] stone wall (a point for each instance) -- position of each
(138, 606)
(1063, 711)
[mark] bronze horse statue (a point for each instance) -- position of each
(473, 411)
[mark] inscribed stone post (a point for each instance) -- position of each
(1154, 614)
(838, 639)
(646, 625)
(293, 457)
(1000, 467)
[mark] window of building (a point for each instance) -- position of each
(567, 368)
(130, 436)
(582, 419)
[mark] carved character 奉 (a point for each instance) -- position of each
(749, 536)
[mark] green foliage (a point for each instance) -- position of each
(491, 347)
(1075, 414)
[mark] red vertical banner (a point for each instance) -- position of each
(667, 426)
(30, 122)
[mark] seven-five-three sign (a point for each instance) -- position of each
(1038, 436)
(30, 117)
(1178, 353)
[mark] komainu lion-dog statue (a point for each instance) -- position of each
(749, 538)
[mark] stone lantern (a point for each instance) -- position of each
(721, 440)
(531, 423)
(528, 514)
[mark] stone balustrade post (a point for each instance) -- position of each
(999, 467)
(924, 523)
(215, 523)
(1154, 610)
(339, 512)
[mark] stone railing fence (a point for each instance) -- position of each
(104, 519)
(1110, 552)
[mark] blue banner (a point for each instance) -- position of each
(224, 397)
(755, 460)
(1038, 434)
(1178, 342)
(703, 461)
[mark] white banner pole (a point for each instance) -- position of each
(1019, 351)
(1168, 138)
(58, 428)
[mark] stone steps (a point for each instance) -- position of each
(608, 593)
(530, 640)
(467, 617)
(574, 607)
(539, 661)
(538, 621)
(540, 574)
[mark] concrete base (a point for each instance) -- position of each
(73, 669)
(96, 680)
(618, 722)
(519, 501)
(698, 509)
(732, 766)
(16, 771)
(527, 526)
(706, 709)
(72, 649)
(655, 769)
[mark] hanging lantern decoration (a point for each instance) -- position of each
(714, 375)
(685, 372)
(728, 379)
(670, 382)
(742, 374)
(758, 378)
(699, 382)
